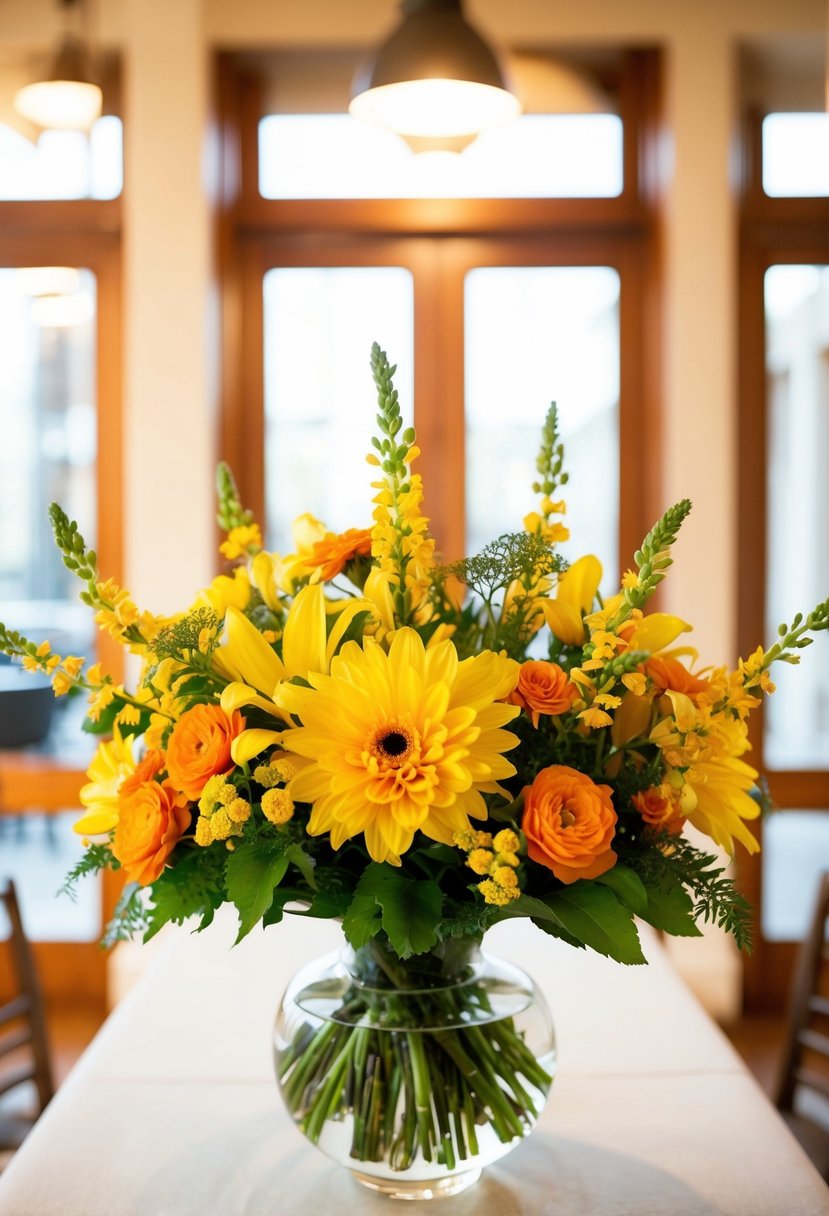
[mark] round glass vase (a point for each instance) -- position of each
(414, 1074)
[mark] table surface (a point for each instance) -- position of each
(173, 1110)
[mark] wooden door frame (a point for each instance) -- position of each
(773, 231)
(83, 234)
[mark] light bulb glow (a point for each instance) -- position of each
(65, 105)
(436, 108)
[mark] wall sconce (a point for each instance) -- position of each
(65, 97)
(434, 80)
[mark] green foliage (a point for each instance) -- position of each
(550, 460)
(674, 861)
(593, 915)
(254, 869)
(391, 450)
(181, 640)
(129, 917)
(628, 888)
(511, 558)
(408, 910)
(190, 887)
(231, 513)
(96, 857)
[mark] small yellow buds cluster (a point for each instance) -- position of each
(246, 538)
(221, 812)
(280, 768)
(277, 806)
(497, 859)
(207, 637)
(64, 672)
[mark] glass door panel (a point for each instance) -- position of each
(49, 421)
(797, 558)
(533, 335)
(320, 403)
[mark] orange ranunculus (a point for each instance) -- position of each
(569, 822)
(151, 820)
(199, 746)
(331, 554)
(669, 674)
(659, 809)
(148, 769)
(543, 688)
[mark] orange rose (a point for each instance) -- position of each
(569, 822)
(331, 554)
(659, 809)
(199, 746)
(543, 688)
(670, 674)
(151, 820)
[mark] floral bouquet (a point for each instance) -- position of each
(419, 750)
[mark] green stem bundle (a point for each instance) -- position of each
(418, 1072)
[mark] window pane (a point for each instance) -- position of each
(797, 561)
(536, 156)
(38, 851)
(48, 454)
(534, 335)
(796, 155)
(795, 848)
(62, 164)
(320, 402)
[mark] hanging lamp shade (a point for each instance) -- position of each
(67, 98)
(434, 77)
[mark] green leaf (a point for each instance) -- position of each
(297, 856)
(410, 910)
(593, 914)
(253, 871)
(671, 908)
(191, 887)
(628, 889)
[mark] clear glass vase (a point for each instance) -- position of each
(417, 1074)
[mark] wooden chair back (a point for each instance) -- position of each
(23, 1039)
(802, 1092)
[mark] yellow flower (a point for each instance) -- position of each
(112, 762)
(240, 541)
(595, 718)
(574, 597)
(226, 591)
(60, 683)
(257, 675)
(277, 806)
(400, 742)
(714, 781)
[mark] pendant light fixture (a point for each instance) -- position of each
(434, 78)
(65, 97)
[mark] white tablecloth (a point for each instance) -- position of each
(173, 1111)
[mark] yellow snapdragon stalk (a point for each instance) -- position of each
(400, 543)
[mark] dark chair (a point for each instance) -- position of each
(24, 1050)
(802, 1094)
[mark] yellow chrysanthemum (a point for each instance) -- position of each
(401, 742)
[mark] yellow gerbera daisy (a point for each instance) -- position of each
(401, 742)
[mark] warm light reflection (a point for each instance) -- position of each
(436, 108)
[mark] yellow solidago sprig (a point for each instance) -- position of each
(244, 538)
(400, 541)
(496, 859)
(222, 812)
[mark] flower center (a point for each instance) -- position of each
(392, 745)
(567, 817)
